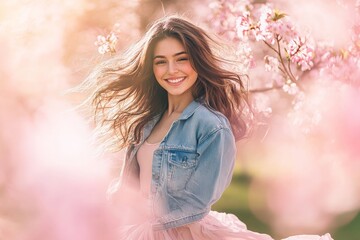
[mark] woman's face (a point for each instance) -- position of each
(172, 68)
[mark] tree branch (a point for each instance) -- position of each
(265, 89)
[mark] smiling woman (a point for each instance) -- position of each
(172, 68)
(180, 129)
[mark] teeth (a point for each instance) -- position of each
(175, 80)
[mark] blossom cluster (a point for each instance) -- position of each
(301, 53)
(243, 22)
(265, 24)
(106, 44)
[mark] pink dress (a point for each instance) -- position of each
(214, 226)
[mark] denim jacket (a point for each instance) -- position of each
(191, 168)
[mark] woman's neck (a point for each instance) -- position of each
(177, 104)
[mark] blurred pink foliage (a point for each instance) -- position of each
(53, 182)
(307, 166)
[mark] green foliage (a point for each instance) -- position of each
(235, 200)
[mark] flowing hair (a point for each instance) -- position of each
(127, 96)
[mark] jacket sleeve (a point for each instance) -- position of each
(216, 157)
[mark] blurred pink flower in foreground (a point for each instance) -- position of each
(58, 186)
(52, 181)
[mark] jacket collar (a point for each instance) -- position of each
(188, 111)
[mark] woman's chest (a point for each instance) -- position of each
(162, 128)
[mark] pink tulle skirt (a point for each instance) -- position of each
(215, 226)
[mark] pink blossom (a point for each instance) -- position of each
(301, 53)
(245, 57)
(290, 88)
(260, 30)
(284, 28)
(243, 25)
(106, 44)
(265, 24)
(257, 31)
(266, 13)
(263, 32)
(271, 64)
(224, 16)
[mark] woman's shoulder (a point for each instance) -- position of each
(210, 118)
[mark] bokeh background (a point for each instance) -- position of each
(299, 172)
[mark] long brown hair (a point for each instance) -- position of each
(127, 94)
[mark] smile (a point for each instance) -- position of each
(175, 80)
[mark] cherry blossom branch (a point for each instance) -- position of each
(265, 89)
(284, 69)
(281, 59)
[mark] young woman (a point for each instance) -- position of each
(170, 102)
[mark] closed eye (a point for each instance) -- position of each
(183, 59)
(159, 62)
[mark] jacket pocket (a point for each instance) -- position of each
(181, 165)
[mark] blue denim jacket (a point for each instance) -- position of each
(191, 168)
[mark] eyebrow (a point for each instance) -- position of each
(176, 54)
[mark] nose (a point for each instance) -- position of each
(172, 67)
